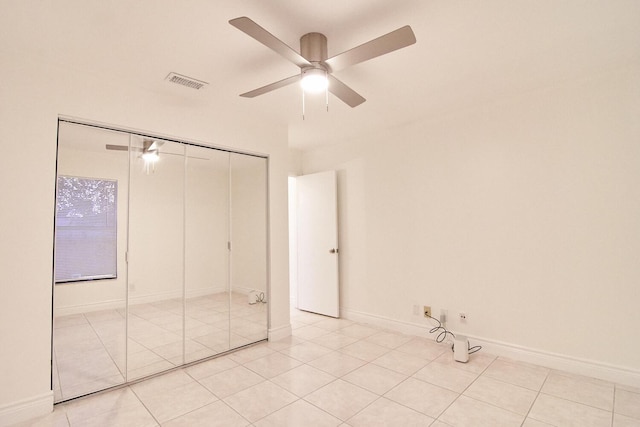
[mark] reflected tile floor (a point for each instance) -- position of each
(89, 348)
(334, 372)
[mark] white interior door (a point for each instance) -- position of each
(317, 217)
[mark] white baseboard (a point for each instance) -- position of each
(26, 409)
(385, 322)
(589, 368)
(279, 333)
(574, 365)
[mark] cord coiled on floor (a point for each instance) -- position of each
(443, 336)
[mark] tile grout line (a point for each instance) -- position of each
(460, 394)
(143, 405)
(285, 406)
(105, 347)
(613, 404)
(538, 392)
(405, 406)
(499, 407)
(503, 382)
(315, 406)
(338, 377)
(188, 412)
(577, 402)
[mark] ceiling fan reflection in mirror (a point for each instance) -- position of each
(149, 152)
(315, 68)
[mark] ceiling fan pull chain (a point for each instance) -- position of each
(326, 92)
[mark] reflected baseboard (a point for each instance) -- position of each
(146, 299)
(244, 290)
(163, 296)
(137, 299)
(86, 308)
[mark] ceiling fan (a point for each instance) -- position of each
(150, 150)
(313, 62)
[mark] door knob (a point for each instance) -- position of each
(333, 251)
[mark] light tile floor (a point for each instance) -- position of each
(334, 372)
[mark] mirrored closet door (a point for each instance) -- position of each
(90, 270)
(155, 257)
(160, 256)
(248, 317)
(207, 255)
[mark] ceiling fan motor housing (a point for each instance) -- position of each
(313, 47)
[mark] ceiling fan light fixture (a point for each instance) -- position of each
(150, 151)
(314, 80)
(150, 156)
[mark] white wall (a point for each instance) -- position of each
(293, 241)
(295, 169)
(525, 214)
(29, 109)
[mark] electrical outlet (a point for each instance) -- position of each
(427, 311)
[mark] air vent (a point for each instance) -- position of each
(185, 81)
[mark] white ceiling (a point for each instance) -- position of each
(467, 52)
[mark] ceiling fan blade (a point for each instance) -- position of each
(254, 30)
(344, 92)
(273, 86)
(117, 147)
(402, 37)
(155, 145)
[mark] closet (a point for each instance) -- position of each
(160, 255)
